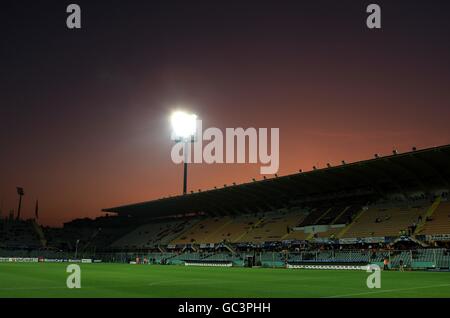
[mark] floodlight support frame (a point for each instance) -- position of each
(185, 164)
(20, 206)
(185, 178)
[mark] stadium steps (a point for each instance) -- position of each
(218, 231)
(249, 230)
(440, 222)
(339, 215)
(91, 240)
(284, 236)
(345, 229)
(186, 232)
(322, 216)
(428, 214)
(413, 239)
(229, 247)
(190, 247)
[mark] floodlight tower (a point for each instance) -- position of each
(184, 128)
(20, 192)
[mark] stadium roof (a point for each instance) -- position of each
(421, 170)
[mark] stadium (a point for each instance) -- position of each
(308, 234)
(226, 156)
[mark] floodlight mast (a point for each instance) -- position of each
(184, 127)
(20, 192)
(185, 168)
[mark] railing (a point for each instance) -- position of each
(414, 259)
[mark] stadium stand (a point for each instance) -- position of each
(348, 214)
(203, 231)
(269, 226)
(296, 235)
(18, 234)
(378, 221)
(332, 213)
(153, 234)
(274, 226)
(437, 222)
(238, 226)
(392, 207)
(314, 216)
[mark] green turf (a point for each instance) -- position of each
(123, 280)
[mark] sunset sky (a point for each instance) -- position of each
(84, 114)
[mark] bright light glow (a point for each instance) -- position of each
(184, 125)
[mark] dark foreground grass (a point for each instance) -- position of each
(123, 280)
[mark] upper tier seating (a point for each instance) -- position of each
(314, 216)
(347, 216)
(203, 231)
(235, 228)
(331, 215)
(379, 221)
(440, 220)
(338, 214)
(271, 226)
(153, 234)
(274, 227)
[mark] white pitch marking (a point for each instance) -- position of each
(388, 290)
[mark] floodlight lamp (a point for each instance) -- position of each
(184, 126)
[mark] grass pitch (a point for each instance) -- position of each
(123, 280)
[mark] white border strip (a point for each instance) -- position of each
(343, 267)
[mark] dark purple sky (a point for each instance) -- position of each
(84, 113)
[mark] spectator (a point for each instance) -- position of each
(401, 266)
(386, 264)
